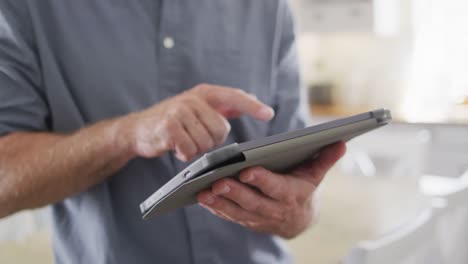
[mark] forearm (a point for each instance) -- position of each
(37, 169)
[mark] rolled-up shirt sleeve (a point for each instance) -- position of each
(290, 107)
(22, 102)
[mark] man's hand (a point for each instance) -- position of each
(60, 165)
(268, 202)
(190, 123)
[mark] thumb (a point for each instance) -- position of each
(314, 170)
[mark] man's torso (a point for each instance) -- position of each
(103, 59)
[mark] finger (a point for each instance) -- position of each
(315, 170)
(226, 208)
(271, 184)
(197, 132)
(230, 101)
(248, 199)
(215, 123)
(184, 147)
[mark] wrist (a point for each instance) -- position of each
(122, 139)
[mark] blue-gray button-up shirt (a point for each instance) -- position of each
(66, 64)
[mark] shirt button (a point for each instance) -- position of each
(168, 42)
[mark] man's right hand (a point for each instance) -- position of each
(60, 165)
(190, 123)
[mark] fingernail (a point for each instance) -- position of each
(208, 199)
(267, 112)
(182, 157)
(247, 178)
(225, 189)
(253, 95)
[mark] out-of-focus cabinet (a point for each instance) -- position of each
(379, 16)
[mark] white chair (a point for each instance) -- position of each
(447, 155)
(411, 243)
(397, 150)
(452, 223)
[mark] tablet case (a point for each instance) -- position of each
(279, 157)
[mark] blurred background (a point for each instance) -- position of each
(400, 195)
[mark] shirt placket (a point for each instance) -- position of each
(172, 42)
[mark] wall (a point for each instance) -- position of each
(365, 68)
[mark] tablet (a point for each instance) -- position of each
(278, 153)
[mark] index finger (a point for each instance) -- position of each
(232, 102)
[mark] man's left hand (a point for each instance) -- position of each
(268, 202)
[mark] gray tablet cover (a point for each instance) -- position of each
(289, 150)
